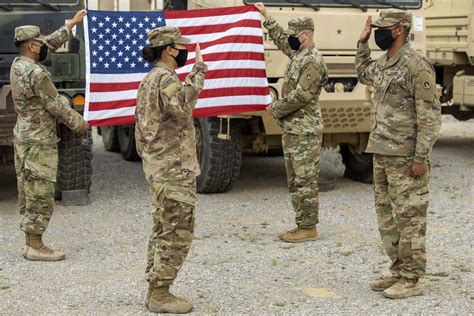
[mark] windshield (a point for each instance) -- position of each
(30, 2)
(406, 4)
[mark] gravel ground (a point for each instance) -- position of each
(236, 264)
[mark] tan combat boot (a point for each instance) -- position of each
(37, 251)
(404, 288)
(299, 234)
(384, 283)
(162, 301)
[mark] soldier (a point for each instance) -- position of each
(299, 115)
(165, 139)
(406, 122)
(39, 106)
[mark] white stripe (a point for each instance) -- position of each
(106, 114)
(230, 47)
(249, 31)
(227, 64)
(235, 83)
(88, 70)
(113, 96)
(234, 100)
(213, 20)
(116, 78)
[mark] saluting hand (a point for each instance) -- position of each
(84, 127)
(365, 35)
(261, 8)
(198, 54)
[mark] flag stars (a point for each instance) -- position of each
(94, 18)
(141, 36)
(140, 25)
(159, 19)
(101, 47)
(107, 30)
(101, 36)
(126, 59)
(127, 47)
(121, 31)
(134, 42)
(106, 65)
(94, 41)
(101, 24)
(107, 53)
(134, 19)
(120, 42)
(120, 18)
(147, 19)
(132, 65)
(119, 65)
(127, 36)
(127, 24)
(94, 53)
(94, 30)
(113, 59)
(134, 31)
(94, 65)
(120, 53)
(107, 19)
(101, 59)
(114, 48)
(153, 24)
(114, 36)
(107, 42)
(114, 24)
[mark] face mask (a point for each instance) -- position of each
(182, 57)
(44, 53)
(294, 42)
(384, 38)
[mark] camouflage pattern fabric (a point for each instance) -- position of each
(164, 129)
(298, 110)
(401, 204)
(173, 229)
(406, 112)
(299, 115)
(165, 35)
(391, 17)
(302, 23)
(302, 154)
(39, 106)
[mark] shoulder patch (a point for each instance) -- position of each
(426, 85)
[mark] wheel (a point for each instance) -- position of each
(110, 138)
(359, 167)
(219, 159)
(126, 140)
(175, 4)
(75, 161)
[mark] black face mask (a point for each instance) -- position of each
(384, 38)
(44, 53)
(182, 57)
(294, 42)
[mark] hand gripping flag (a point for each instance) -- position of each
(231, 43)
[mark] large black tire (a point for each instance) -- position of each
(75, 161)
(359, 167)
(110, 138)
(219, 159)
(126, 140)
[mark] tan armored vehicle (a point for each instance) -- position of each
(345, 102)
(450, 46)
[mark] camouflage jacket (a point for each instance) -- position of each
(164, 129)
(36, 99)
(406, 112)
(298, 110)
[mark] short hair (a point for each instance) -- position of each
(20, 44)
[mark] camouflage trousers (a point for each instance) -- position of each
(301, 154)
(401, 204)
(35, 192)
(173, 229)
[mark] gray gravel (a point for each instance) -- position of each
(236, 264)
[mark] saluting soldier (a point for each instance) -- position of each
(39, 106)
(299, 114)
(165, 139)
(406, 123)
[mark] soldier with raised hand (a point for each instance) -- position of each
(165, 139)
(406, 123)
(39, 107)
(299, 114)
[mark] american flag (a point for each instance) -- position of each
(232, 47)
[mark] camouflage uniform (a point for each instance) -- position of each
(299, 115)
(406, 122)
(39, 106)
(165, 139)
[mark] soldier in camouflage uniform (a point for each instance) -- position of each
(406, 122)
(39, 106)
(165, 139)
(299, 115)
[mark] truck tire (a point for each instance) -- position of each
(220, 160)
(126, 140)
(110, 138)
(175, 4)
(359, 167)
(75, 161)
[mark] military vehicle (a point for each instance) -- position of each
(346, 103)
(450, 46)
(68, 70)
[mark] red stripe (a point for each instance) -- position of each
(227, 109)
(231, 73)
(111, 105)
(109, 87)
(229, 92)
(217, 28)
(244, 39)
(230, 56)
(183, 14)
(123, 120)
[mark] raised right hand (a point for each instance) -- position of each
(365, 35)
(84, 127)
(261, 8)
(198, 54)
